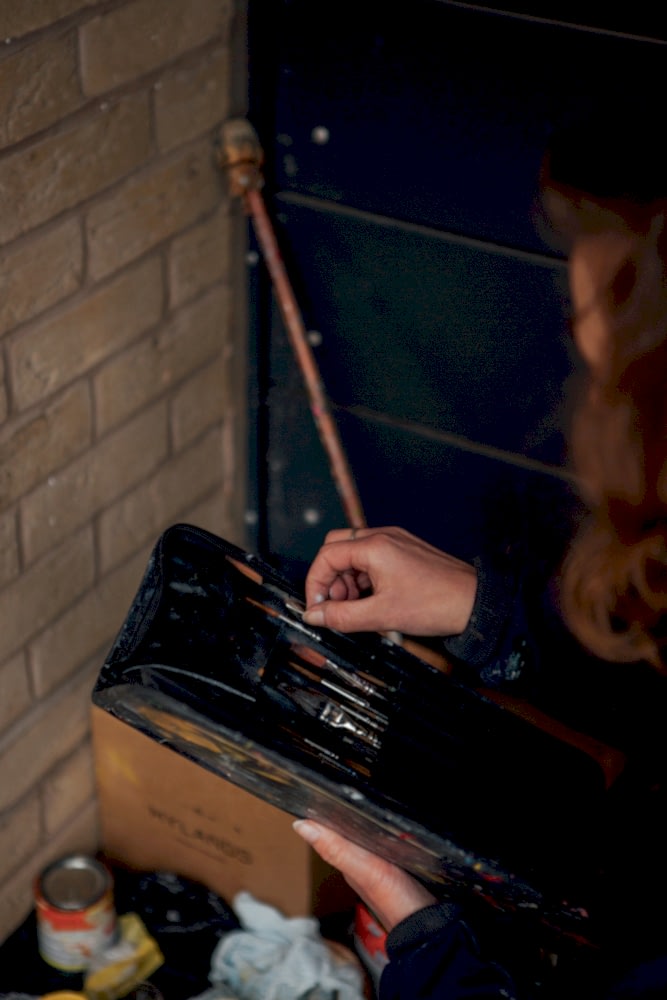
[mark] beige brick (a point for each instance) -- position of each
(17, 898)
(192, 99)
(234, 459)
(86, 629)
(63, 156)
(58, 349)
(146, 211)
(140, 36)
(131, 380)
(19, 17)
(9, 554)
(20, 830)
(39, 272)
(17, 901)
(68, 788)
(51, 732)
(96, 479)
(212, 515)
(205, 399)
(199, 258)
(38, 86)
(38, 596)
(47, 177)
(140, 517)
(224, 511)
(14, 691)
(3, 389)
(31, 450)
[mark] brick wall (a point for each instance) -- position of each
(122, 394)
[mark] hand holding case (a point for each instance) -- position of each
(413, 763)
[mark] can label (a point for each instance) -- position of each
(76, 916)
(370, 941)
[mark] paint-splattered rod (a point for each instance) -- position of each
(241, 155)
(296, 331)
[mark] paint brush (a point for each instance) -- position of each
(318, 706)
(355, 699)
(356, 678)
(292, 622)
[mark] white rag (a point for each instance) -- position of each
(281, 958)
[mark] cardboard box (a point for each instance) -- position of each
(161, 811)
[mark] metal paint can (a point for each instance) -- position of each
(76, 916)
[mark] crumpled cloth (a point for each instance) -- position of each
(275, 957)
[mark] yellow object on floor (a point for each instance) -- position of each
(124, 966)
(63, 995)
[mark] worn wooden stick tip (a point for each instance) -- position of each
(241, 155)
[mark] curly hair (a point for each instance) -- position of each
(614, 578)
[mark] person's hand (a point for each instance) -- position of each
(406, 584)
(389, 892)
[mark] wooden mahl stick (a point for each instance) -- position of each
(241, 155)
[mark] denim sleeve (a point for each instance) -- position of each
(433, 955)
(495, 600)
(515, 605)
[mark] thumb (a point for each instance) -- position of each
(344, 616)
(390, 893)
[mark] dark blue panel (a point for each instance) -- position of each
(435, 113)
(639, 20)
(403, 144)
(453, 496)
(455, 335)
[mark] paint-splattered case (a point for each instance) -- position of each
(214, 661)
